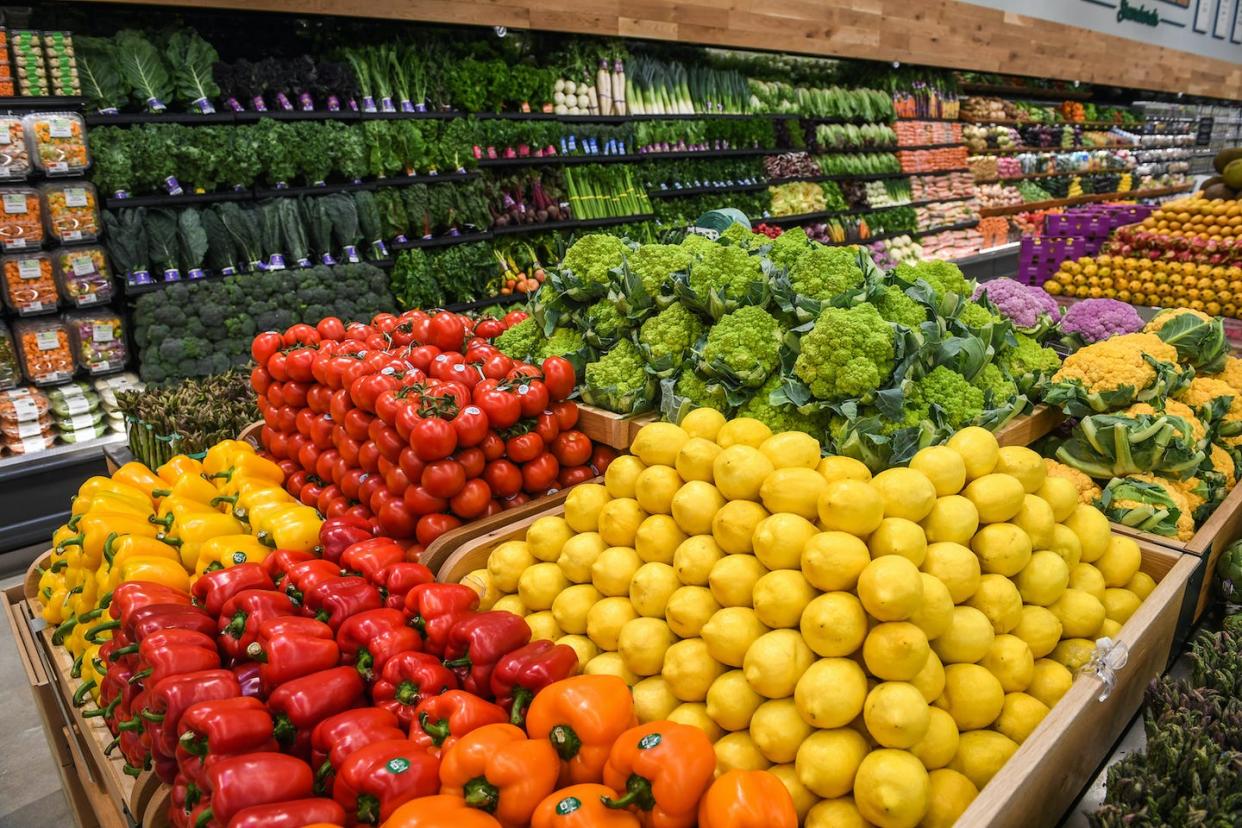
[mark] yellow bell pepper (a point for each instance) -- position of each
(100, 483)
(179, 466)
(175, 508)
(223, 454)
(140, 477)
(229, 550)
(137, 546)
(63, 533)
(90, 669)
(49, 582)
(191, 533)
(118, 500)
(54, 604)
(296, 528)
(254, 493)
(192, 487)
(261, 516)
(157, 570)
(97, 531)
(251, 466)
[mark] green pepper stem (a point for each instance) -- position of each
(140, 675)
(481, 794)
(92, 635)
(160, 493)
(113, 745)
(283, 730)
(57, 566)
(637, 792)
(255, 650)
(321, 776)
(194, 745)
(151, 717)
(236, 626)
(66, 627)
(79, 695)
(204, 817)
(166, 521)
(134, 724)
(76, 670)
(565, 740)
(130, 770)
(521, 701)
(364, 663)
(116, 654)
(464, 661)
(367, 809)
(438, 731)
(230, 499)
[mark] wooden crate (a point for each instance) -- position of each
(615, 430)
(1027, 428)
(472, 554)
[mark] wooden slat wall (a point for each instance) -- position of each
(933, 32)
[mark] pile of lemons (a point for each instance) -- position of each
(882, 644)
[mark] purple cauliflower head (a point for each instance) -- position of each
(1027, 307)
(1092, 320)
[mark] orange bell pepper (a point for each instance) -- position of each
(747, 799)
(140, 477)
(582, 716)
(179, 466)
(439, 812)
(664, 768)
(498, 770)
(581, 806)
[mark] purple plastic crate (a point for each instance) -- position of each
(1085, 224)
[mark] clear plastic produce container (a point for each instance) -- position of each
(14, 151)
(83, 275)
(72, 399)
(31, 445)
(10, 368)
(21, 218)
(98, 341)
(21, 404)
(29, 283)
(21, 429)
(46, 350)
(71, 211)
(58, 142)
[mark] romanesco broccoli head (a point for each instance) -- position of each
(848, 354)
(788, 247)
(944, 277)
(1028, 357)
(992, 378)
(960, 401)
(593, 256)
(974, 315)
(825, 272)
(700, 393)
(742, 236)
(746, 342)
(671, 332)
(605, 321)
(655, 264)
(696, 244)
(616, 377)
(726, 269)
(562, 342)
(780, 418)
(521, 340)
(895, 306)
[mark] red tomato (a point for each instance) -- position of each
(340, 405)
(395, 480)
(421, 502)
(517, 500)
(388, 403)
(368, 457)
(471, 425)
(260, 379)
(443, 478)
(467, 375)
(472, 461)
(276, 394)
(331, 328)
(503, 477)
(431, 527)
(356, 423)
(433, 438)
(299, 363)
(601, 457)
(422, 356)
(384, 322)
(395, 520)
(358, 331)
(274, 441)
(276, 366)
(524, 447)
(558, 374)
(547, 427)
(346, 445)
(286, 419)
(351, 482)
(308, 455)
(300, 334)
(410, 464)
(295, 393)
(296, 481)
(574, 475)
(419, 322)
(446, 331)
(497, 366)
(493, 446)
(472, 500)
(521, 369)
(407, 418)
(513, 317)
(321, 430)
(310, 491)
(489, 328)
(533, 397)
(502, 408)
(572, 448)
(288, 467)
(540, 474)
(494, 507)
(336, 507)
(264, 345)
(367, 489)
(458, 393)
(319, 398)
(366, 390)
(389, 442)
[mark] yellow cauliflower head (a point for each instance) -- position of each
(1231, 373)
(1102, 366)
(1202, 391)
(1176, 409)
(1222, 462)
(1088, 491)
(1186, 518)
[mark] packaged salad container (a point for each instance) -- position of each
(71, 211)
(32, 76)
(46, 350)
(73, 399)
(98, 340)
(6, 70)
(58, 142)
(83, 275)
(62, 66)
(21, 429)
(10, 368)
(22, 404)
(14, 151)
(21, 218)
(29, 284)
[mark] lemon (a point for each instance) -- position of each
(658, 443)
(978, 448)
(896, 714)
(780, 597)
(972, 696)
(1042, 581)
(1036, 519)
(890, 588)
(1088, 579)
(688, 610)
(583, 505)
(734, 525)
(1040, 629)
(778, 729)
(579, 554)
(1020, 715)
(953, 518)
(481, 581)
(803, 799)
(939, 744)
(843, 468)
(511, 603)
(694, 506)
(891, 789)
(1061, 494)
(731, 701)
(506, 564)
(930, 680)
(980, 754)
(543, 626)
(703, 423)
(1120, 561)
(949, 795)
(1141, 585)
(895, 651)
(828, 761)
(733, 578)
(779, 538)
(546, 536)
(935, 613)
(614, 569)
(1080, 613)
(794, 489)
(943, 466)
(619, 520)
(1091, 527)
(968, 638)
(605, 620)
(642, 643)
(610, 664)
(1066, 544)
(657, 538)
(998, 497)
(539, 585)
(695, 715)
(689, 670)
(831, 692)
(651, 587)
(655, 487)
(694, 558)
(583, 646)
(1109, 628)
(907, 493)
(850, 506)
(1049, 682)
(792, 449)
(999, 600)
(621, 476)
(653, 701)
(1073, 653)
(898, 536)
(834, 624)
(1024, 464)
(835, 813)
(1010, 660)
(737, 751)
(955, 566)
(694, 461)
(739, 472)
(775, 662)
(729, 633)
(1119, 604)
(834, 560)
(743, 431)
(1003, 548)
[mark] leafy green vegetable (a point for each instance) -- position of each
(191, 59)
(191, 240)
(102, 83)
(162, 243)
(143, 69)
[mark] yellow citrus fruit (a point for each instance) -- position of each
(658, 443)
(1043, 579)
(939, 745)
(1003, 548)
(614, 569)
(731, 702)
(651, 587)
(480, 580)
(1020, 715)
(794, 489)
(1080, 613)
(655, 487)
(688, 609)
(1091, 527)
(1010, 660)
(729, 633)
(507, 562)
(777, 728)
(653, 701)
(1061, 494)
(978, 448)
(610, 664)
(619, 520)
(895, 651)
(1090, 580)
(657, 538)
(943, 466)
(704, 422)
(1073, 653)
(898, 536)
(694, 460)
(1049, 681)
(999, 600)
(1040, 629)
(543, 626)
(694, 558)
(546, 536)
(890, 588)
(1120, 561)
(733, 578)
(980, 754)
(621, 476)
(791, 449)
(511, 603)
(972, 696)
(743, 431)
(907, 493)
(779, 538)
(998, 497)
(930, 679)
(605, 620)
(956, 567)
(1066, 544)
(891, 788)
(1024, 464)
(843, 468)
(1141, 585)
(739, 472)
(779, 597)
(539, 584)
(1036, 519)
(775, 662)
(584, 647)
(851, 506)
(583, 505)
(935, 613)
(968, 638)
(694, 506)
(642, 644)
(835, 813)
(828, 761)
(949, 795)
(834, 624)
(896, 714)
(953, 518)
(689, 670)
(831, 692)
(695, 715)
(737, 751)
(1119, 604)
(803, 799)
(834, 560)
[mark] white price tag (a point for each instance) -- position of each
(77, 405)
(32, 444)
(83, 266)
(14, 203)
(26, 409)
(18, 393)
(75, 197)
(29, 269)
(102, 333)
(47, 340)
(58, 167)
(81, 421)
(30, 428)
(60, 128)
(5, 136)
(71, 235)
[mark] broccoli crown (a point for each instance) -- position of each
(960, 401)
(655, 264)
(1028, 357)
(671, 332)
(605, 320)
(825, 272)
(621, 368)
(848, 353)
(726, 269)
(520, 340)
(562, 342)
(700, 394)
(785, 417)
(944, 277)
(788, 247)
(974, 315)
(747, 342)
(895, 306)
(993, 379)
(593, 256)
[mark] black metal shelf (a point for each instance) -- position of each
(571, 224)
(186, 199)
(183, 200)
(42, 102)
(857, 211)
(676, 192)
(441, 241)
(630, 158)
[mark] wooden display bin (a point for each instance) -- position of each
(615, 430)
(1027, 428)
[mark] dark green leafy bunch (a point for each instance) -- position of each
(199, 412)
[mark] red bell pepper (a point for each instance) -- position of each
(357, 630)
(477, 642)
(224, 727)
(293, 625)
(301, 704)
(304, 576)
(277, 564)
(375, 780)
(136, 754)
(239, 782)
(441, 720)
(339, 533)
(212, 589)
(396, 581)
(164, 637)
(148, 618)
(295, 814)
(336, 737)
(248, 677)
(242, 614)
(168, 701)
(521, 674)
(131, 595)
(369, 557)
(286, 657)
(116, 694)
(435, 608)
(408, 678)
(337, 599)
(158, 663)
